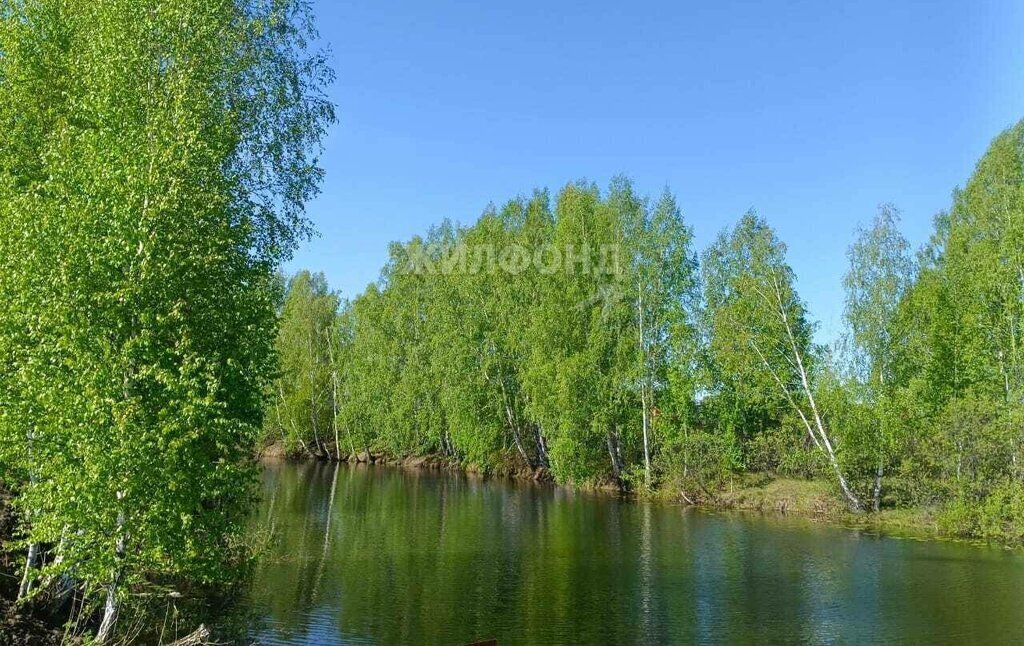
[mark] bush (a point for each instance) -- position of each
(998, 516)
(784, 451)
(699, 460)
(804, 462)
(765, 452)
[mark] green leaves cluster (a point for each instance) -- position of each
(930, 393)
(480, 342)
(956, 395)
(303, 397)
(154, 162)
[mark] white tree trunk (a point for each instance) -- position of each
(647, 444)
(33, 548)
(30, 564)
(542, 447)
(334, 405)
(616, 456)
(110, 606)
(334, 393)
(826, 442)
(643, 388)
(877, 494)
(817, 431)
(106, 629)
(513, 423)
(517, 436)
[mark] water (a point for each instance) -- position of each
(384, 556)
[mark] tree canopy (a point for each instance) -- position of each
(155, 158)
(577, 332)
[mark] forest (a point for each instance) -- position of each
(582, 334)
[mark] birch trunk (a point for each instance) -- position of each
(852, 500)
(513, 423)
(334, 394)
(876, 494)
(313, 364)
(334, 407)
(111, 604)
(33, 548)
(542, 448)
(517, 436)
(818, 432)
(312, 422)
(613, 451)
(30, 564)
(643, 388)
(876, 502)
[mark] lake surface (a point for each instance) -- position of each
(368, 555)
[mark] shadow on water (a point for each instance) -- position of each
(363, 555)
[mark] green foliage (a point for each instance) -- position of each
(930, 392)
(998, 516)
(785, 451)
(738, 323)
(880, 273)
(699, 462)
(760, 347)
(309, 351)
(480, 342)
(957, 399)
(154, 162)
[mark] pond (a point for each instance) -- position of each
(376, 555)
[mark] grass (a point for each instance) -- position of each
(815, 500)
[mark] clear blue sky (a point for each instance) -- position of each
(811, 112)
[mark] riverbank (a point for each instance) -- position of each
(432, 462)
(813, 500)
(818, 501)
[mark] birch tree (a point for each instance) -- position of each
(303, 406)
(160, 155)
(880, 273)
(759, 327)
(577, 324)
(667, 295)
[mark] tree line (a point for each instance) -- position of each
(582, 333)
(155, 159)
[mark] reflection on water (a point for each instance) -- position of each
(383, 556)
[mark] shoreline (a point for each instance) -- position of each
(763, 495)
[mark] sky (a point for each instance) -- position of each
(812, 113)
